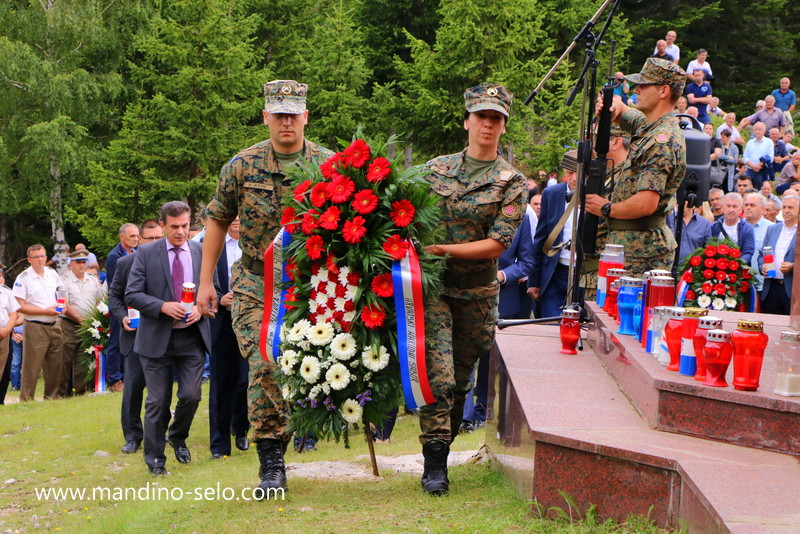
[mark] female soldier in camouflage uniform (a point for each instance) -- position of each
(482, 202)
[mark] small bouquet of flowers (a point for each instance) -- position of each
(94, 334)
(347, 228)
(715, 277)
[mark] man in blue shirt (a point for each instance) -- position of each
(785, 100)
(758, 154)
(699, 95)
(696, 231)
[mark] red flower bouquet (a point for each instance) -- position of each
(717, 277)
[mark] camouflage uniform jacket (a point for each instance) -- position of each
(490, 206)
(657, 163)
(252, 185)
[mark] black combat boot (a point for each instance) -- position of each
(272, 470)
(434, 476)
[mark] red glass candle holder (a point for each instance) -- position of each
(749, 343)
(717, 354)
(612, 275)
(705, 324)
(570, 331)
(672, 333)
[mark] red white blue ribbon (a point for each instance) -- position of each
(683, 288)
(407, 282)
(99, 369)
(275, 278)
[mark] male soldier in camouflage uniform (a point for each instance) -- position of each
(252, 186)
(482, 198)
(646, 192)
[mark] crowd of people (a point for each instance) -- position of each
(502, 244)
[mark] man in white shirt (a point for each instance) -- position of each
(701, 63)
(782, 237)
(35, 291)
(672, 49)
(730, 120)
(8, 320)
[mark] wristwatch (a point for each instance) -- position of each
(606, 210)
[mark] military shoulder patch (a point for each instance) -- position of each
(510, 210)
(662, 138)
(505, 175)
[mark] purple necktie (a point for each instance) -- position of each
(177, 274)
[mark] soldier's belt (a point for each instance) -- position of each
(468, 281)
(251, 263)
(645, 223)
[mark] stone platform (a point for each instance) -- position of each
(613, 428)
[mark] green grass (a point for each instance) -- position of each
(53, 444)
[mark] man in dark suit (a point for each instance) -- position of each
(128, 241)
(776, 296)
(168, 334)
(133, 390)
(227, 394)
(731, 226)
(548, 280)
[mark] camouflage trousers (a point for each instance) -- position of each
(267, 411)
(638, 266)
(457, 333)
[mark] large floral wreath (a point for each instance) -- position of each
(349, 220)
(717, 278)
(94, 332)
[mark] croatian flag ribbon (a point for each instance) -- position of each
(99, 369)
(683, 288)
(407, 282)
(275, 278)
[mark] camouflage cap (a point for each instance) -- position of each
(285, 96)
(488, 96)
(659, 71)
(617, 131)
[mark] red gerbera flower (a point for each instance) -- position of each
(315, 268)
(300, 190)
(310, 222)
(735, 253)
(291, 296)
(330, 218)
(746, 274)
(357, 154)
(723, 249)
(690, 295)
(722, 263)
(330, 264)
(708, 287)
(719, 289)
(396, 247)
(695, 261)
(314, 246)
(382, 285)
(732, 277)
(741, 306)
(340, 189)
(291, 269)
(287, 217)
(710, 263)
(708, 274)
(744, 287)
(402, 213)
(354, 230)
(330, 169)
(379, 169)
(721, 276)
(373, 316)
(689, 277)
(710, 251)
(319, 194)
(365, 201)
(733, 265)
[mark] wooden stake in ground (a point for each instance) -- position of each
(368, 435)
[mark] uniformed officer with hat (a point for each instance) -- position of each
(83, 292)
(252, 186)
(645, 192)
(482, 198)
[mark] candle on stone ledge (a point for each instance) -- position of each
(749, 343)
(788, 354)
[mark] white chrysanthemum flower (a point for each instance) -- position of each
(320, 334)
(349, 316)
(731, 303)
(704, 301)
(322, 299)
(338, 376)
(316, 279)
(95, 333)
(96, 323)
(297, 332)
(313, 307)
(718, 304)
(330, 289)
(102, 307)
(326, 388)
(328, 315)
(351, 411)
(305, 345)
(324, 273)
(350, 293)
(309, 369)
(288, 361)
(90, 350)
(315, 391)
(343, 272)
(354, 363)
(343, 346)
(375, 361)
(338, 304)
